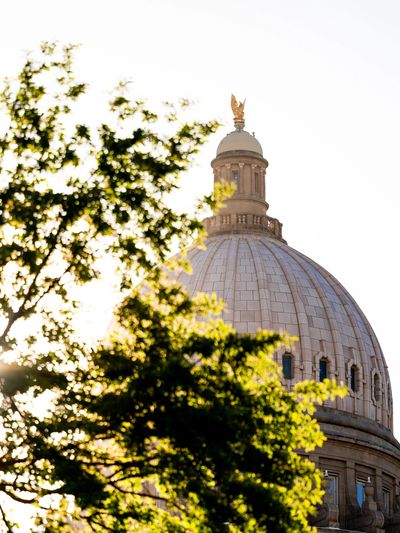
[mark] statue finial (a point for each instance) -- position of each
(238, 112)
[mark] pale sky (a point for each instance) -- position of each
(322, 83)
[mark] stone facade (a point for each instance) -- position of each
(268, 285)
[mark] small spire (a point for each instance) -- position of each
(238, 112)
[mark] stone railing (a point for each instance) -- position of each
(243, 222)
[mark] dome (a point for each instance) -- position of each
(239, 140)
(266, 284)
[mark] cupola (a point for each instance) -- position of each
(240, 161)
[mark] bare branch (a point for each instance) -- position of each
(6, 522)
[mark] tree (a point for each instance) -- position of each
(171, 410)
(194, 418)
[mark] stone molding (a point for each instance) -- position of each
(336, 530)
(334, 423)
(241, 154)
(244, 222)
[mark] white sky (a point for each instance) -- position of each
(322, 82)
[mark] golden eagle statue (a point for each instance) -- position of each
(238, 112)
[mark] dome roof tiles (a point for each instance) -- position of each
(268, 285)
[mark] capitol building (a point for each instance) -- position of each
(266, 284)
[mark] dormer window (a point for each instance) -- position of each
(354, 378)
(377, 388)
(287, 365)
(323, 369)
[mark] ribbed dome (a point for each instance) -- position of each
(268, 285)
(239, 140)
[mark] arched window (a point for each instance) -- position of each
(354, 378)
(377, 388)
(323, 369)
(287, 365)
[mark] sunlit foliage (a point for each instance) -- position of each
(173, 423)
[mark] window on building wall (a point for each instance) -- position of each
(354, 378)
(235, 178)
(323, 369)
(333, 488)
(386, 501)
(377, 388)
(360, 487)
(257, 181)
(287, 365)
